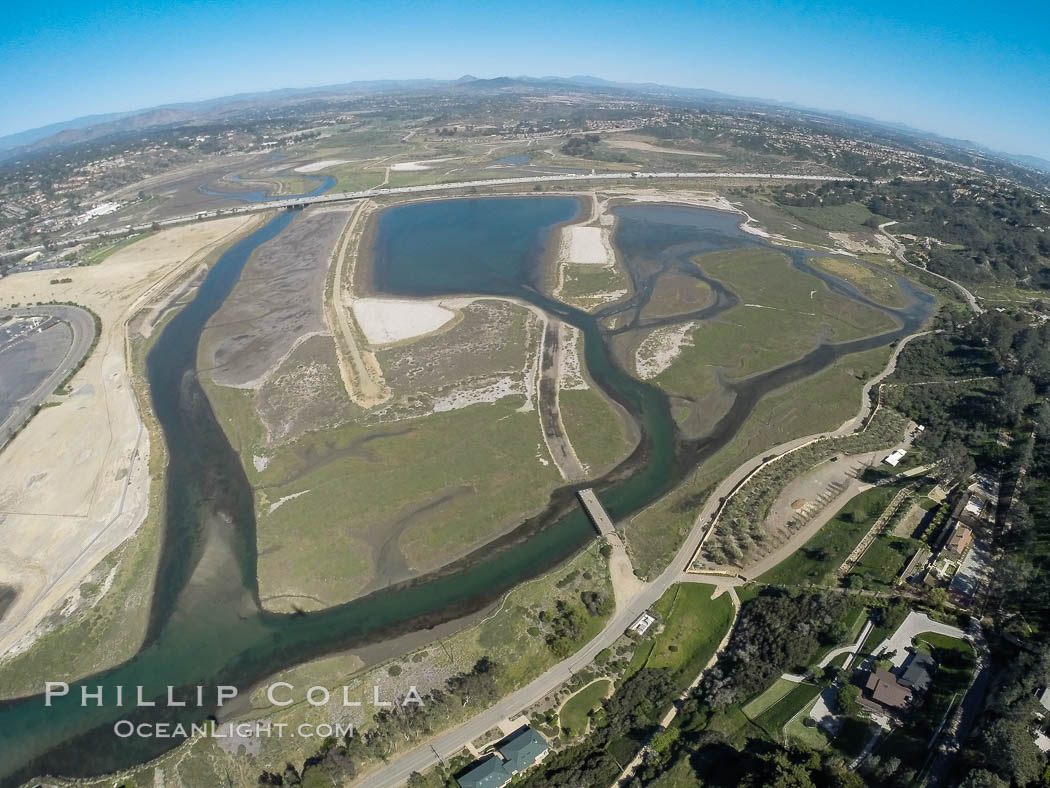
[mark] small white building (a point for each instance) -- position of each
(642, 623)
(895, 457)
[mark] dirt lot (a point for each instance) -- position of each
(74, 483)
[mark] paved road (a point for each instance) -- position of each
(898, 251)
(82, 325)
(322, 199)
(452, 741)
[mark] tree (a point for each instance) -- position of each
(1008, 744)
(779, 771)
(982, 778)
(1018, 394)
(1042, 421)
(955, 458)
(847, 700)
(938, 597)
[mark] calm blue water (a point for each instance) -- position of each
(491, 245)
(514, 161)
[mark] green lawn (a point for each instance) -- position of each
(642, 650)
(796, 730)
(884, 560)
(773, 719)
(819, 558)
(734, 725)
(944, 642)
(764, 700)
(693, 626)
(574, 714)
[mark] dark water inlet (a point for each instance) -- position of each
(206, 627)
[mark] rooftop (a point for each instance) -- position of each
(885, 690)
(919, 673)
(960, 539)
(522, 749)
(486, 773)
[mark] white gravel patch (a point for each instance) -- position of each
(414, 166)
(277, 504)
(386, 320)
(571, 375)
(462, 398)
(315, 166)
(659, 350)
(586, 246)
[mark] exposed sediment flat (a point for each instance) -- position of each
(277, 303)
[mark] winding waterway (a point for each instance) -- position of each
(206, 627)
(324, 183)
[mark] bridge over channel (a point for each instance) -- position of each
(595, 511)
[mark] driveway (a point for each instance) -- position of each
(899, 642)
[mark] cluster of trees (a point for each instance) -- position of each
(564, 624)
(581, 146)
(777, 631)
(986, 230)
(1003, 751)
(334, 763)
(585, 146)
(1002, 423)
(632, 714)
(703, 757)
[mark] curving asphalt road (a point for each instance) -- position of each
(445, 745)
(82, 324)
(898, 251)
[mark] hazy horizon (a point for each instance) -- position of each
(950, 69)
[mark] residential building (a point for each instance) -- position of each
(519, 751)
(523, 749)
(959, 541)
(884, 689)
(486, 773)
(918, 672)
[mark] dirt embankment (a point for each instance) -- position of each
(74, 484)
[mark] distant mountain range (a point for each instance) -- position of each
(90, 127)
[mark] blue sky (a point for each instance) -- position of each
(977, 70)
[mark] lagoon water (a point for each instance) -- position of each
(205, 625)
